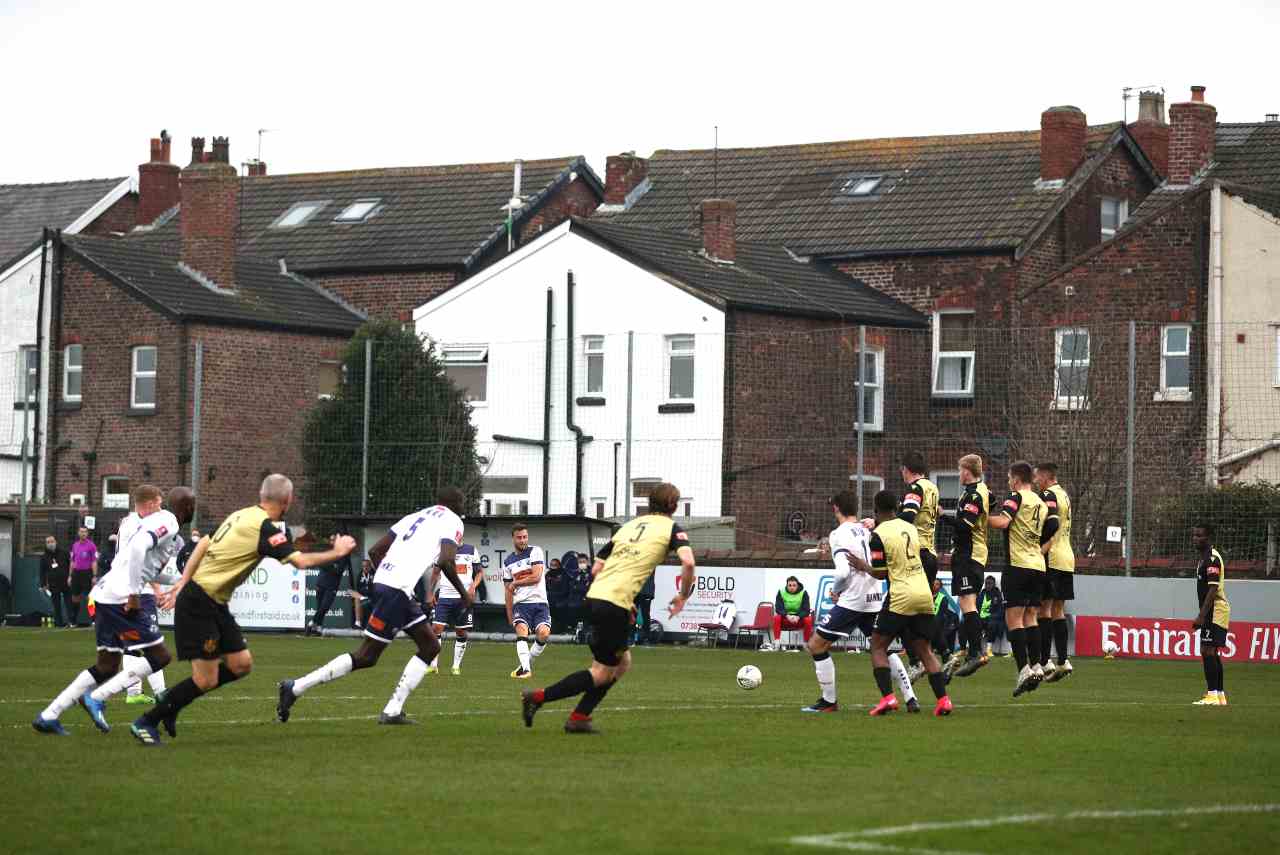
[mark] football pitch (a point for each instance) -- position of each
(1113, 759)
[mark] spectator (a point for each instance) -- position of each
(184, 554)
(579, 580)
(991, 612)
(946, 620)
(84, 571)
(55, 580)
(107, 556)
(791, 611)
(361, 594)
(328, 580)
(644, 605)
(557, 595)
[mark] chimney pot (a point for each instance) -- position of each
(1197, 94)
(221, 150)
(1063, 134)
(197, 149)
(719, 228)
(622, 174)
(210, 191)
(157, 183)
(1273, 117)
(1151, 132)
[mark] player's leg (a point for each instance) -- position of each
(414, 670)
(880, 671)
(105, 665)
(438, 628)
(836, 624)
(937, 681)
(460, 636)
(611, 626)
(521, 626)
(542, 632)
(135, 668)
(365, 656)
(1044, 619)
(902, 679)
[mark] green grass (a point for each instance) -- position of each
(687, 761)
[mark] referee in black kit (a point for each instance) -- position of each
(327, 583)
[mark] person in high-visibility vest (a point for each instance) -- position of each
(991, 612)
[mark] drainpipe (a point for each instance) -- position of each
(1213, 398)
(47, 409)
(579, 439)
(546, 408)
(616, 446)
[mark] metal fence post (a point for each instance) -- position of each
(1132, 420)
(862, 400)
(626, 490)
(364, 445)
(197, 395)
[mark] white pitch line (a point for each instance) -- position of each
(868, 840)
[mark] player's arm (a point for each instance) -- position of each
(879, 567)
(911, 503)
(1214, 572)
(379, 550)
(532, 578)
(598, 564)
(1003, 518)
(506, 594)
(432, 583)
(167, 600)
(477, 576)
(274, 543)
(445, 562)
(680, 543)
(1052, 521)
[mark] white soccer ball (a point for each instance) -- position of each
(1110, 648)
(749, 677)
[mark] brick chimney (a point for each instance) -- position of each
(157, 182)
(622, 174)
(1063, 133)
(256, 168)
(1151, 131)
(719, 228)
(1193, 125)
(210, 212)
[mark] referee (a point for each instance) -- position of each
(205, 631)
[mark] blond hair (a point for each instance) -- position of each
(972, 464)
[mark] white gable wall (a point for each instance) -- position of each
(505, 309)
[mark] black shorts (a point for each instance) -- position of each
(1022, 587)
(906, 627)
(81, 582)
(1212, 635)
(610, 631)
(966, 576)
(930, 562)
(204, 628)
(1060, 585)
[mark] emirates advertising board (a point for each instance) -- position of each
(1169, 638)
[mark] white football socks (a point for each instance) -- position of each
(522, 651)
(899, 673)
(414, 670)
(67, 697)
(826, 670)
(459, 650)
(339, 667)
(138, 667)
(537, 649)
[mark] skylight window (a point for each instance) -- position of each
(861, 185)
(298, 214)
(357, 211)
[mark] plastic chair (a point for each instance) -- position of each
(763, 624)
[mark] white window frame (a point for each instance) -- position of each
(341, 371)
(599, 503)
(935, 476)
(685, 508)
(67, 371)
(135, 374)
(368, 208)
(871, 484)
(876, 425)
(25, 390)
(117, 499)
(671, 355)
(592, 346)
(468, 355)
(939, 355)
(862, 185)
(1069, 402)
(1167, 392)
(1122, 215)
(312, 208)
(1276, 380)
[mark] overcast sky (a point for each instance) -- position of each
(368, 84)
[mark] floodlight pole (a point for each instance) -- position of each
(1128, 486)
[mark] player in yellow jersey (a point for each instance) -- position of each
(908, 609)
(205, 632)
(620, 570)
(969, 562)
(1021, 515)
(920, 509)
(1060, 562)
(1215, 614)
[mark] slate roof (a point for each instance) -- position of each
(147, 266)
(429, 216)
(25, 209)
(1244, 153)
(940, 193)
(763, 277)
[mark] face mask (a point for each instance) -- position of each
(48, 548)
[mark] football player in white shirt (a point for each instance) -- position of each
(447, 608)
(859, 599)
(147, 538)
(404, 554)
(134, 694)
(524, 576)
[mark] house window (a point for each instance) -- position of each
(1277, 357)
(593, 356)
(679, 367)
(861, 185)
(599, 505)
(72, 371)
(115, 492)
(328, 379)
(1071, 368)
(297, 214)
(871, 484)
(640, 490)
(143, 387)
(871, 378)
(686, 506)
(467, 365)
(28, 374)
(948, 484)
(953, 349)
(358, 211)
(1114, 213)
(1175, 363)
(523, 504)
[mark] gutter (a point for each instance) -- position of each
(1252, 452)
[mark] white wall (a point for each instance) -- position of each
(505, 308)
(19, 290)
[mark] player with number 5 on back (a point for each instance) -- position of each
(620, 570)
(417, 543)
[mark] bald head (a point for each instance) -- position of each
(182, 503)
(276, 489)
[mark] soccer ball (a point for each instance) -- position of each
(749, 677)
(1110, 649)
